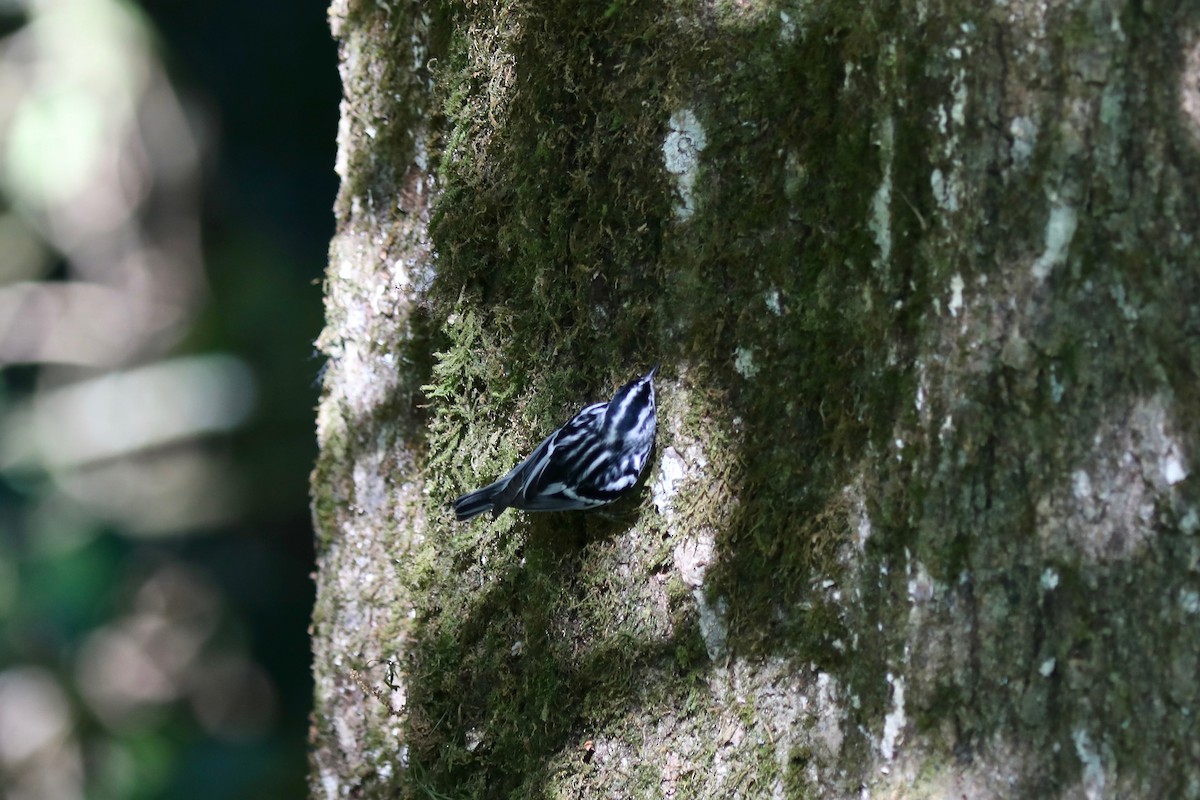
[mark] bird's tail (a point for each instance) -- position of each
(472, 504)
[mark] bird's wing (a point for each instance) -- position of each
(531, 473)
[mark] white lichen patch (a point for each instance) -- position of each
(947, 184)
(684, 143)
(1189, 601)
(859, 519)
(370, 484)
(894, 722)
(795, 176)
(1060, 230)
(681, 461)
(1107, 507)
(880, 223)
(714, 629)
(955, 304)
(1094, 775)
(787, 27)
(743, 362)
(671, 472)
(1159, 451)
(675, 467)
(774, 302)
(945, 190)
(1049, 581)
(1189, 83)
(330, 783)
(921, 398)
(922, 588)
(693, 556)
(958, 105)
(1023, 131)
(1173, 469)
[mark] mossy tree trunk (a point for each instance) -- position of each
(924, 279)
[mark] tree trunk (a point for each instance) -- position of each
(923, 517)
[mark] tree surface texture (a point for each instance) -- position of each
(923, 518)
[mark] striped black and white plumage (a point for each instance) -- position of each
(590, 461)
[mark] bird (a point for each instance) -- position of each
(597, 456)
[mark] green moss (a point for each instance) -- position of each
(560, 274)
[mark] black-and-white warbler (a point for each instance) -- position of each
(590, 461)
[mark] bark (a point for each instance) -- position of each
(922, 519)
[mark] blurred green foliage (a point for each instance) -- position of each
(173, 662)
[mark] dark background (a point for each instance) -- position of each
(265, 72)
(259, 84)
